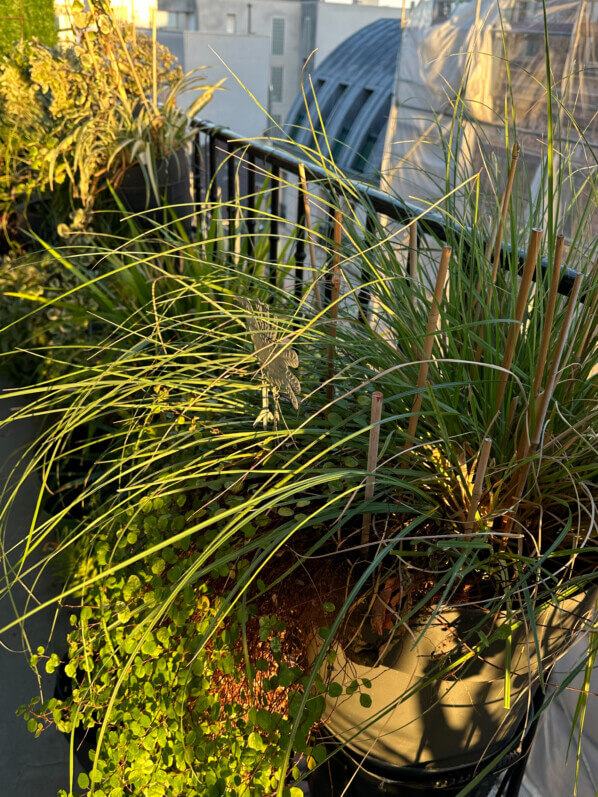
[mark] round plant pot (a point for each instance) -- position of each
(452, 721)
(174, 202)
(37, 216)
(347, 775)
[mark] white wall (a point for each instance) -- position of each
(244, 55)
(212, 21)
(253, 62)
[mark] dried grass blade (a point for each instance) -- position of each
(478, 485)
(413, 250)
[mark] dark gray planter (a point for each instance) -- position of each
(174, 201)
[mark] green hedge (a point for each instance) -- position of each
(39, 20)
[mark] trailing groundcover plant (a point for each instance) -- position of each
(223, 515)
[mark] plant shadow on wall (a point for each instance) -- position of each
(278, 514)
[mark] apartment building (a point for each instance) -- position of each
(263, 47)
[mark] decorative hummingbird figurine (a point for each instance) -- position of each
(275, 358)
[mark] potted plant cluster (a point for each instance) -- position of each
(87, 114)
(232, 550)
(301, 535)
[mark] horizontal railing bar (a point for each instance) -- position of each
(377, 200)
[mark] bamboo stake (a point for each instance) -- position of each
(404, 14)
(310, 237)
(338, 229)
(428, 343)
(505, 209)
(522, 297)
(546, 396)
(413, 250)
(334, 294)
(524, 440)
(376, 415)
(478, 485)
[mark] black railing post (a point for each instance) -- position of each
(213, 160)
(275, 212)
(364, 295)
(231, 195)
(196, 167)
(373, 199)
(300, 244)
(251, 204)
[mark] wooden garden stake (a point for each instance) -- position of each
(413, 250)
(546, 396)
(529, 268)
(375, 417)
(478, 484)
(524, 441)
(310, 237)
(334, 294)
(428, 343)
(338, 229)
(556, 363)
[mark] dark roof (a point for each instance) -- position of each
(353, 87)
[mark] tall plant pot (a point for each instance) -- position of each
(174, 200)
(453, 722)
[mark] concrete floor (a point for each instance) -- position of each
(29, 767)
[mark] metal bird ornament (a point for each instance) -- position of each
(275, 358)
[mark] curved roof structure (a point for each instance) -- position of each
(353, 90)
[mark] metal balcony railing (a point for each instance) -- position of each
(221, 156)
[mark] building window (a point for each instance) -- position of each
(231, 23)
(356, 106)
(307, 37)
(278, 36)
(441, 11)
(361, 160)
(180, 20)
(276, 79)
(300, 122)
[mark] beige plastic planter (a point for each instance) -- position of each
(454, 720)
